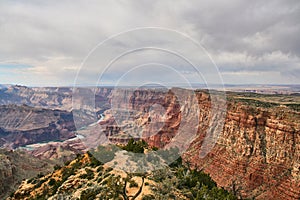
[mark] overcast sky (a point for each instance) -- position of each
(45, 42)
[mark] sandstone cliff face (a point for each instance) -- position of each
(257, 153)
(22, 125)
(160, 115)
(51, 97)
(42, 97)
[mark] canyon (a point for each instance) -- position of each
(23, 125)
(255, 153)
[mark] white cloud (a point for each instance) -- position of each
(241, 36)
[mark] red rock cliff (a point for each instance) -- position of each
(257, 153)
(257, 150)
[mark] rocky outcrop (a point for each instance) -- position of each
(59, 152)
(22, 125)
(87, 178)
(257, 153)
(16, 166)
(146, 113)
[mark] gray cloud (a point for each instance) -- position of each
(251, 41)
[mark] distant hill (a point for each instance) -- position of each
(4, 86)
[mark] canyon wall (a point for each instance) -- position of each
(52, 97)
(257, 150)
(23, 125)
(257, 154)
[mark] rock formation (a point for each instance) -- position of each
(51, 97)
(23, 125)
(16, 166)
(257, 151)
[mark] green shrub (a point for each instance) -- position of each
(295, 107)
(109, 169)
(55, 187)
(30, 180)
(135, 146)
(88, 175)
(57, 167)
(67, 162)
(88, 195)
(94, 161)
(100, 169)
(52, 182)
(133, 184)
(148, 197)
